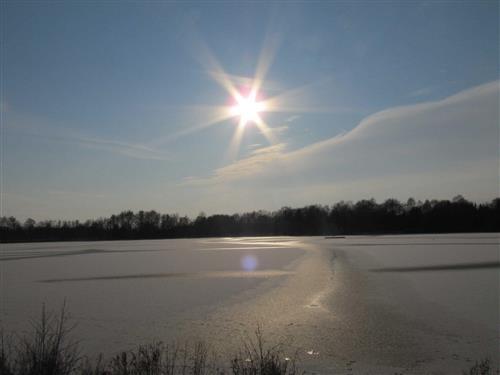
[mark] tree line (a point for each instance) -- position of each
(343, 218)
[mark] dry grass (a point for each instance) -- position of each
(480, 368)
(259, 358)
(48, 350)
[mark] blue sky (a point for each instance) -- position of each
(96, 99)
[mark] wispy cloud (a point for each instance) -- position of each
(137, 151)
(279, 130)
(457, 135)
(292, 118)
(422, 92)
(254, 146)
(38, 128)
(251, 165)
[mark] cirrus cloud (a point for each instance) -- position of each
(452, 143)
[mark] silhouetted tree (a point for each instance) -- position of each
(365, 216)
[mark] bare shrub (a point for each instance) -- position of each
(258, 358)
(47, 350)
(480, 368)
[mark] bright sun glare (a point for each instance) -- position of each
(247, 108)
(247, 104)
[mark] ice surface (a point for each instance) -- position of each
(413, 304)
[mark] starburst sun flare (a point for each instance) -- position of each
(247, 108)
(247, 102)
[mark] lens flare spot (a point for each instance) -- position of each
(249, 263)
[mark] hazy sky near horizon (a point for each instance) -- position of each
(103, 105)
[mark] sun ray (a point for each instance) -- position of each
(264, 62)
(265, 130)
(218, 114)
(248, 103)
(212, 65)
(221, 115)
(295, 101)
(304, 109)
(234, 146)
(217, 72)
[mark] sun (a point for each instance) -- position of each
(247, 108)
(248, 100)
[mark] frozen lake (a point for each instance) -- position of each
(413, 304)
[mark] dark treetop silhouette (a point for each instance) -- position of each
(362, 217)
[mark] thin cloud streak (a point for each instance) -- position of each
(422, 92)
(258, 159)
(53, 133)
(461, 129)
(136, 151)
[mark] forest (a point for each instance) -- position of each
(343, 218)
